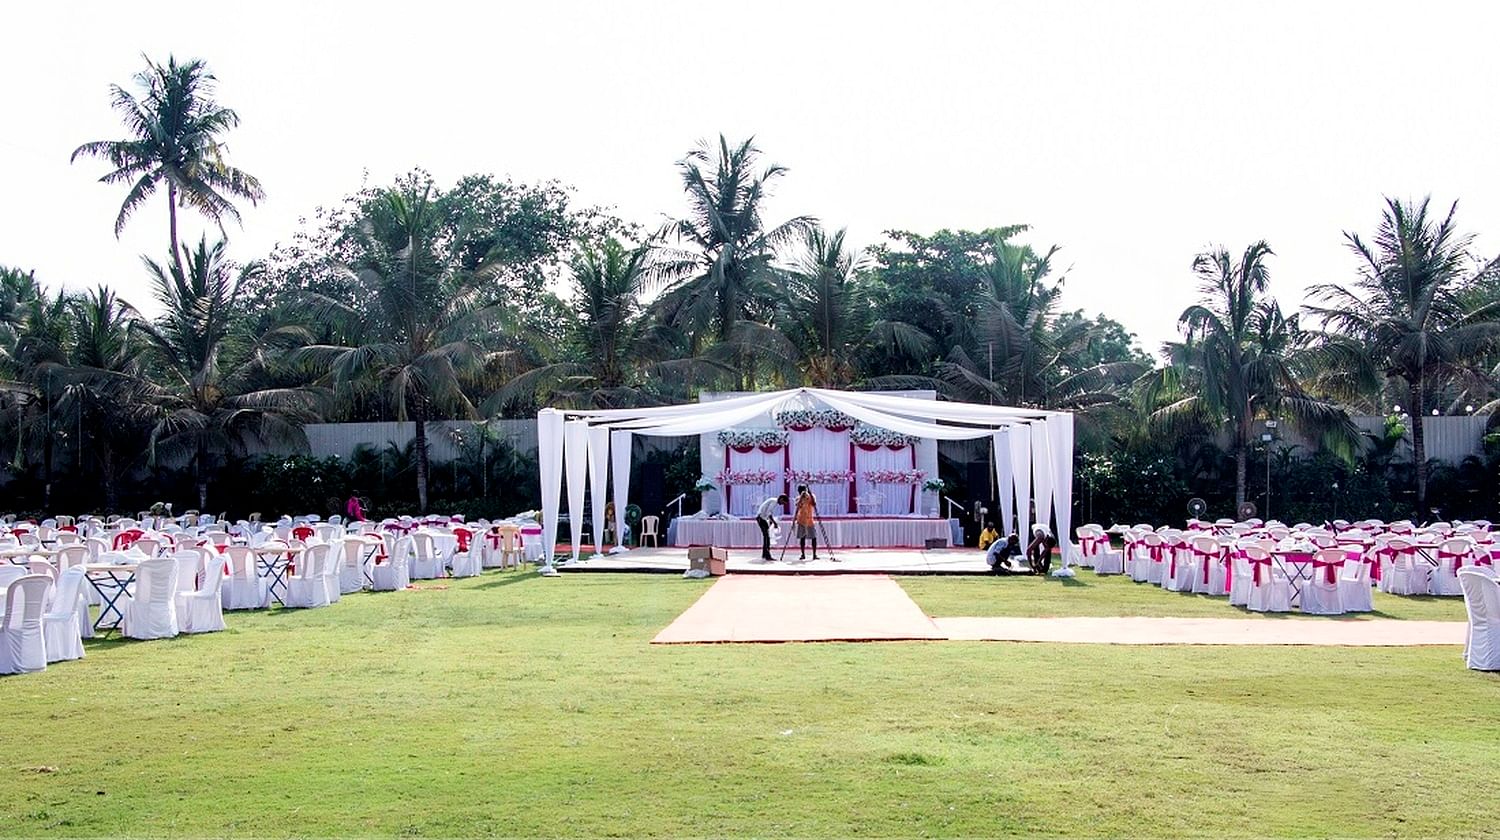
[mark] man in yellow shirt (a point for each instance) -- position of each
(988, 536)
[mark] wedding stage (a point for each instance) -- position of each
(870, 460)
(839, 532)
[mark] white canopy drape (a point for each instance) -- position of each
(1028, 443)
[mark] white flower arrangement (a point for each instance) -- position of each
(935, 485)
(814, 418)
(742, 438)
(867, 435)
(704, 484)
(895, 476)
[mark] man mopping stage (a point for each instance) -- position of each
(765, 517)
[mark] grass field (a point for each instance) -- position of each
(511, 704)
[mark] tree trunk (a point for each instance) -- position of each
(421, 441)
(200, 473)
(1419, 449)
(1240, 456)
(107, 467)
(172, 226)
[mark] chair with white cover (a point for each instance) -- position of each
(10, 573)
(150, 611)
(1178, 572)
(61, 631)
(1407, 573)
(243, 587)
(305, 586)
(1270, 591)
(649, 526)
(1207, 565)
(465, 561)
(425, 562)
(1094, 544)
(1452, 555)
(200, 609)
(1242, 578)
(1155, 554)
(1320, 592)
(350, 552)
(390, 573)
(22, 644)
(1482, 601)
(1356, 591)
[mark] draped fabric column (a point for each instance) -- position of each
(1061, 435)
(1041, 473)
(821, 449)
(598, 471)
(1020, 460)
(1006, 480)
(619, 453)
(575, 458)
(549, 455)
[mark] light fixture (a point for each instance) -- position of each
(1434, 412)
(1396, 409)
(1469, 408)
(1271, 424)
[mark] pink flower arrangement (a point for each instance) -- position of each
(895, 476)
(820, 476)
(753, 477)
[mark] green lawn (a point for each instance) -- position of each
(1089, 594)
(511, 704)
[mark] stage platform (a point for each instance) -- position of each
(895, 561)
(911, 532)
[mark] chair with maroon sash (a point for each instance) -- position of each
(1270, 590)
(1207, 565)
(1178, 573)
(1320, 592)
(1452, 555)
(1407, 573)
(1356, 589)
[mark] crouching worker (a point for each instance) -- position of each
(1003, 555)
(1039, 551)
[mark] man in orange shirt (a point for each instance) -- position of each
(805, 520)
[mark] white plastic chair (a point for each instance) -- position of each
(1320, 592)
(150, 611)
(390, 574)
(1452, 555)
(61, 632)
(649, 525)
(201, 609)
(22, 645)
(1482, 601)
(466, 563)
(1273, 592)
(351, 555)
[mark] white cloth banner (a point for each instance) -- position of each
(1061, 439)
(1020, 460)
(549, 454)
(575, 459)
(620, 443)
(598, 472)
(1007, 481)
(1041, 474)
(821, 450)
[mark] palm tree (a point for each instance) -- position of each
(1408, 313)
(39, 361)
(175, 127)
(411, 336)
(826, 331)
(1242, 359)
(210, 405)
(614, 354)
(720, 268)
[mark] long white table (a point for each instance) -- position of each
(851, 532)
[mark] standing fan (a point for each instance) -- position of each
(1246, 511)
(1197, 507)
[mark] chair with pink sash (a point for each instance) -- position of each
(1270, 590)
(1137, 561)
(1094, 544)
(1407, 572)
(1178, 573)
(1356, 590)
(1320, 592)
(1152, 553)
(1452, 555)
(1241, 578)
(1209, 571)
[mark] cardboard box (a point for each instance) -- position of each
(708, 558)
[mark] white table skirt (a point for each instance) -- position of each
(846, 533)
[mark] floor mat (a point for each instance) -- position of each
(813, 608)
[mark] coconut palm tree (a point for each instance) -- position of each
(1408, 314)
(175, 139)
(210, 405)
(614, 353)
(411, 336)
(717, 260)
(826, 331)
(38, 360)
(1241, 359)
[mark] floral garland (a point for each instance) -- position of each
(895, 476)
(866, 435)
(801, 419)
(746, 438)
(752, 477)
(820, 476)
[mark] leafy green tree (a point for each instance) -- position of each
(717, 261)
(1242, 359)
(1407, 316)
(175, 139)
(410, 333)
(209, 406)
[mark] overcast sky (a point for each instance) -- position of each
(1131, 134)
